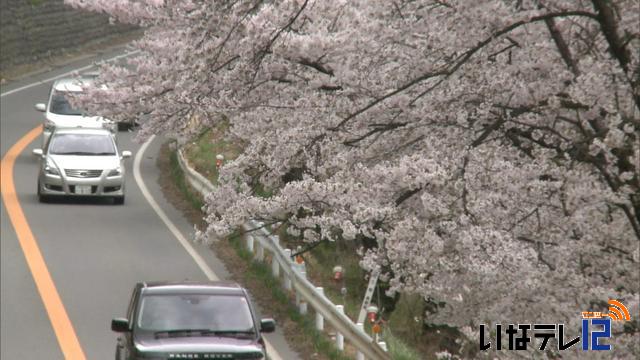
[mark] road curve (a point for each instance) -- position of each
(68, 267)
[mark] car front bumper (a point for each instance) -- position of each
(72, 186)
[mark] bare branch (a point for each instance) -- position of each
(462, 59)
(565, 52)
(406, 195)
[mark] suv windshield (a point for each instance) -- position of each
(81, 144)
(214, 313)
(61, 106)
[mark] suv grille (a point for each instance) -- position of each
(83, 173)
(201, 356)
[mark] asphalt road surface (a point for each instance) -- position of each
(68, 267)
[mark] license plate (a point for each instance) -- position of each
(83, 189)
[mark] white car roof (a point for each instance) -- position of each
(71, 84)
(83, 130)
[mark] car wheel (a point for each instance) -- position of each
(126, 125)
(41, 197)
(118, 200)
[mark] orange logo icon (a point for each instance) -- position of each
(617, 311)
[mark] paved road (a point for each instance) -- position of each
(93, 251)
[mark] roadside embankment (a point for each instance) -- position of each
(37, 34)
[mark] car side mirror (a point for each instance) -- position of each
(41, 107)
(120, 325)
(126, 154)
(267, 325)
(37, 152)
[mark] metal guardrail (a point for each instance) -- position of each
(295, 279)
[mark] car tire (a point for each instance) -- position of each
(118, 200)
(41, 197)
(126, 125)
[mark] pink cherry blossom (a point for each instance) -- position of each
(485, 154)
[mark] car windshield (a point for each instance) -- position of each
(61, 106)
(224, 313)
(82, 144)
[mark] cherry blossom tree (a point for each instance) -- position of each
(484, 154)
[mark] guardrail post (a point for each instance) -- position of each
(275, 267)
(359, 354)
(383, 345)
(259, 252)
(339, 336)
(250, 243)
(303, 307)
(299, 267)
(287, 278)
(319, 318)
(298, 297)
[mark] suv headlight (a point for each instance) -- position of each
(115, 172)
(143, 354)
(51, 168)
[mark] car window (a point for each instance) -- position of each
(81, 144)
(211, 312)
(61, 106)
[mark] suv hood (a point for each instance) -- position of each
(181, 346)
(77, 120)
(88, 162)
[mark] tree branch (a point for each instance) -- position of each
(617, 47)
(291, 21)
(307, 248)
(316, 65)
(565, 52)
(609, 27)
(406, 195)
(378, 128)
(462, 59)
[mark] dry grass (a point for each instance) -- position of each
(201, 153)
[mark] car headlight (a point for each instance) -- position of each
(49, 125)
(110, 125)
(115, 172)
(51, 168)
(147, 355)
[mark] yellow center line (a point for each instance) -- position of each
(62, 326)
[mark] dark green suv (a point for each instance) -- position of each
(190, 320)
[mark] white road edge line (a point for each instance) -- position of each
(163, 216)
(273, 354)
(65, 74)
